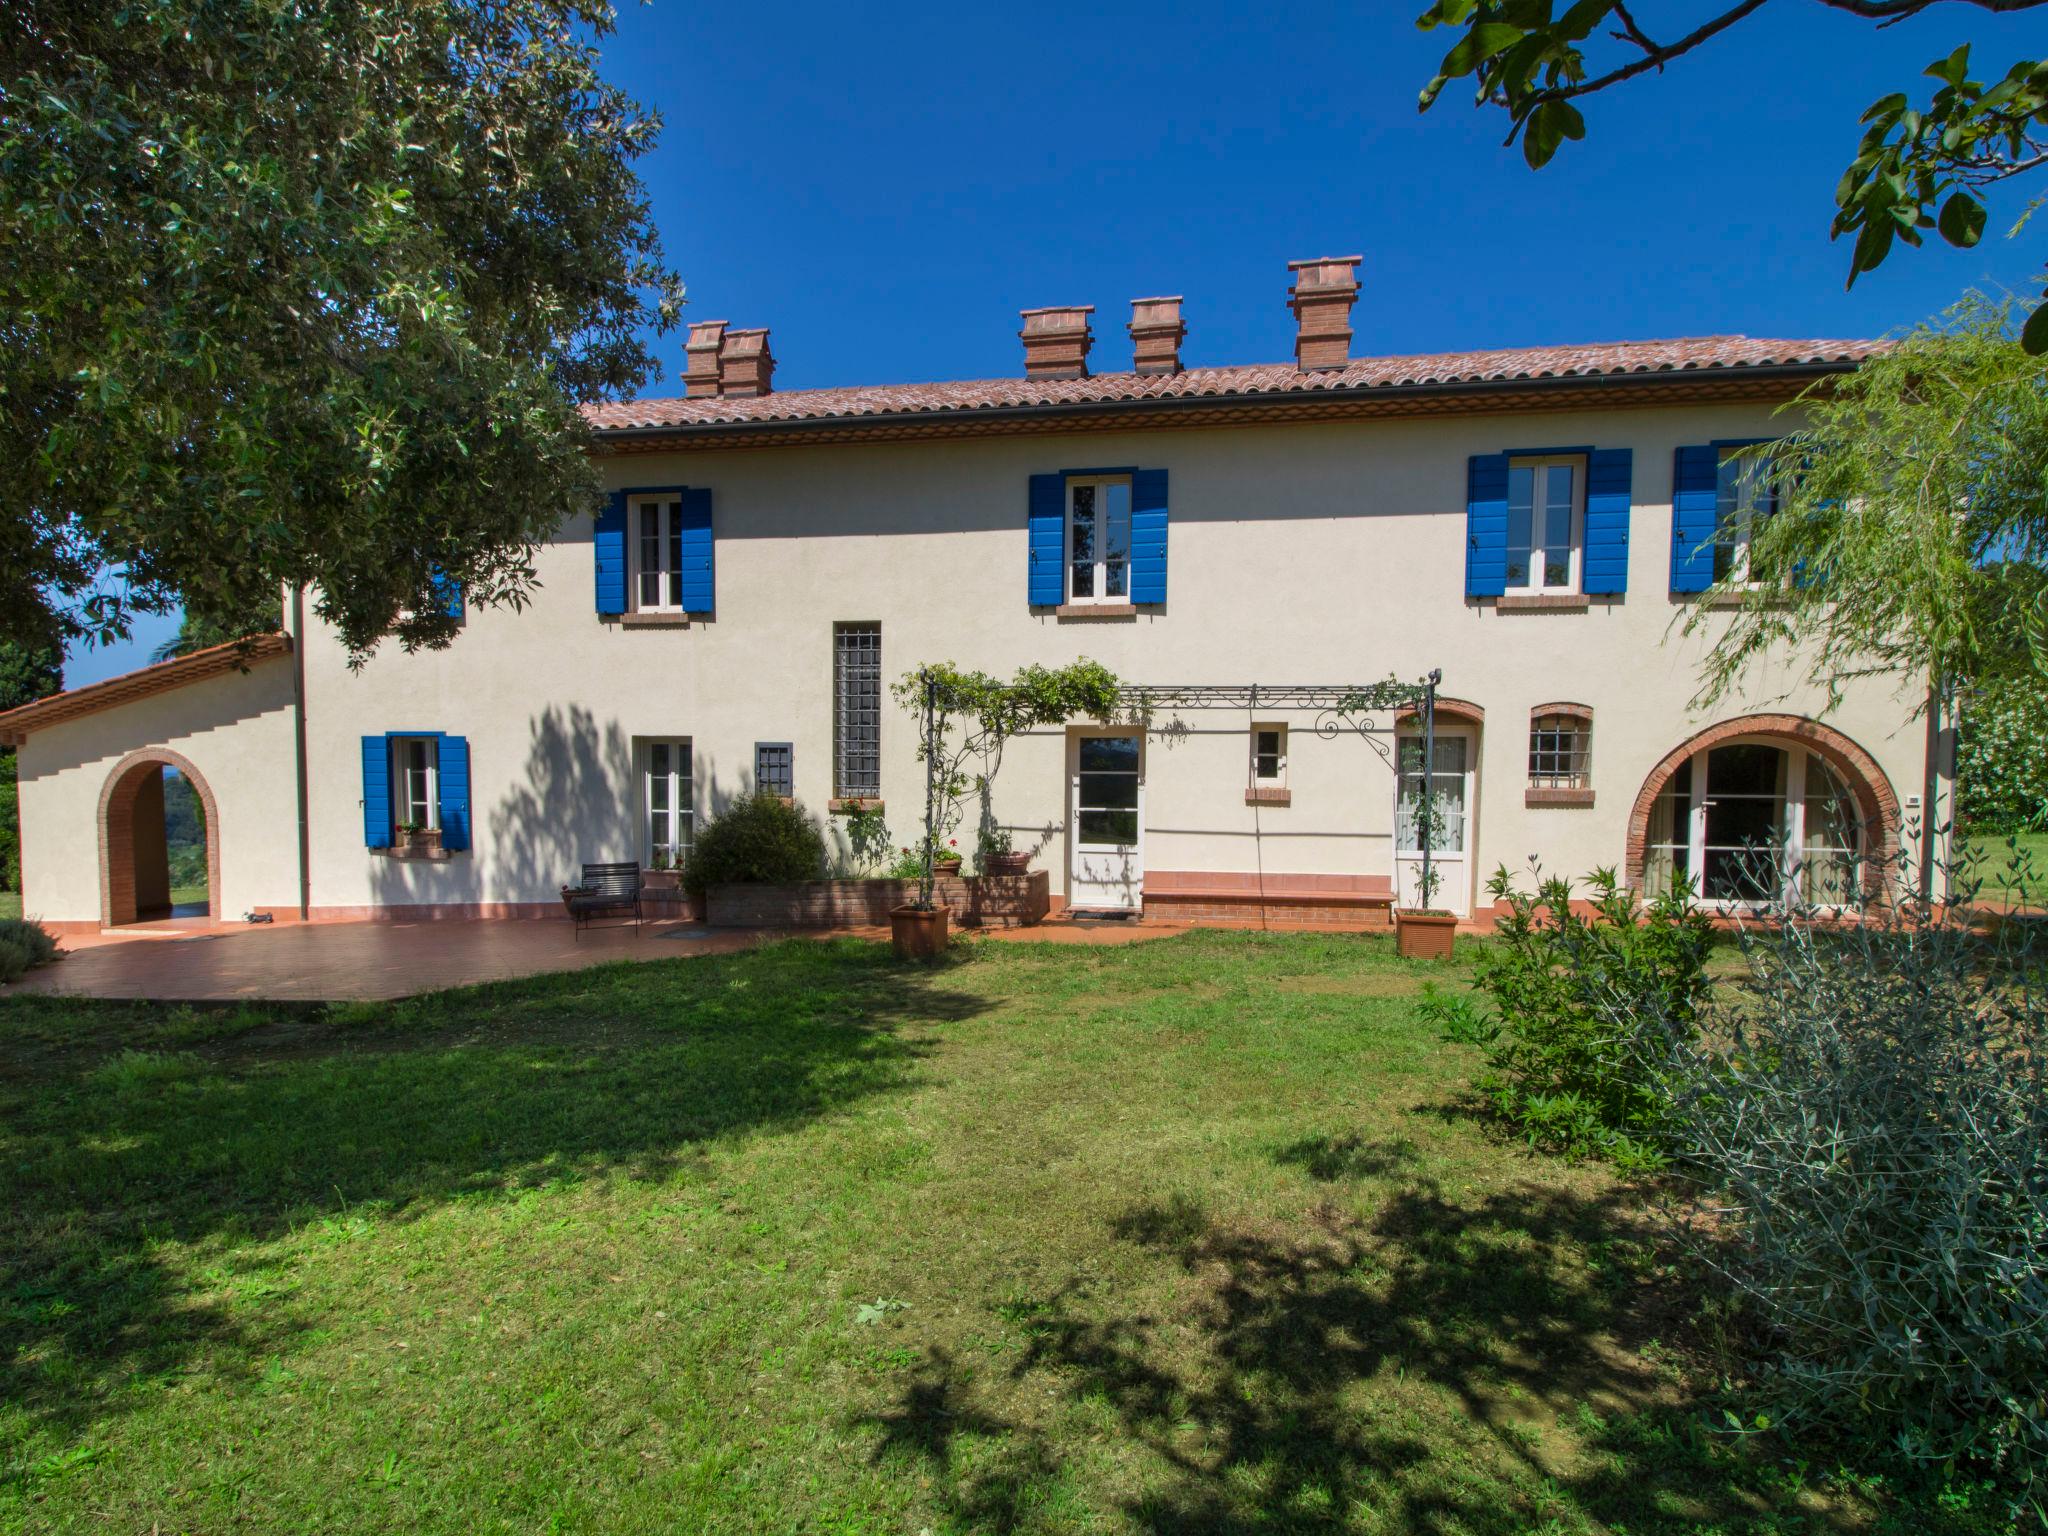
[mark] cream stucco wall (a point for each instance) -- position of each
(235, 730)
(1309, 554)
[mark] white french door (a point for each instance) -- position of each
(1756, 823)
(1450, 786)
(1105, 821)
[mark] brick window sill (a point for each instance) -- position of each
(416, 855)
(1269, 797)
(1095, 611)
(1729, 600)
(654, 621)
(854, 805)
(1558, 797)
(1543, 602)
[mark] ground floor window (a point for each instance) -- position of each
(1269, 756)
(1560, 749)
(1446, 786)
(1106, 798)
(668, 804)
(775, 769)
(415, 782)
(1756, 822)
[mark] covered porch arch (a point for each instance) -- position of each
(134, 875)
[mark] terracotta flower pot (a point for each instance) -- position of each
(916, 934)
(1006, 863)
(947, 867)
(660, 879)
(1425, 935)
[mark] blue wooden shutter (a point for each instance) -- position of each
(1047, 541)
(1610, 484)
(1486, 525)
(1148, 536)
(698, 573)
(608, 548)
(449, 592)
(454, 779)
(376, 792)
(1695, 488)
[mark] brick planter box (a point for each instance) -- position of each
(973, 901)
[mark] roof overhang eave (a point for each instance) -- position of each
(883, 422)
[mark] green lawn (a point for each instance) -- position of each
(2014, 866)
(1197, 1235)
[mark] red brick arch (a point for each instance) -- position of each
(117, 831)
(1447, 708)
(1878, 807)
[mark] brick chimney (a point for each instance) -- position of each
(1321, 300)
(1156, 335)
(745, 365)
(700, 357)
(1056, 342)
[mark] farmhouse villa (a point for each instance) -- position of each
(1531, 523)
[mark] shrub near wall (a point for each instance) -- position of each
(22, 946)
(758, 839)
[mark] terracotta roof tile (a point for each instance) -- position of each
(1693, 354)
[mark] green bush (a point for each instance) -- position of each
(23, 944)
(2002, 757)
(1570, 992)
(760, 839)
(1867, 1117)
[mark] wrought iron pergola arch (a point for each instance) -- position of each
(1339, 707)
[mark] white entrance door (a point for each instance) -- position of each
(1450, 784)
(1106, 870)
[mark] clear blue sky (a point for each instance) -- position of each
(885, 190)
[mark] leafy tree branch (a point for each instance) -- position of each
(1916, 168)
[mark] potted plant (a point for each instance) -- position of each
(410, 837)
(946, 861)
(1425, 931)
(662, 872)
(997, 858)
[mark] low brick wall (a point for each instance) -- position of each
(975, 901)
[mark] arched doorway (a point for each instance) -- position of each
(1763, 810)
(151, 863)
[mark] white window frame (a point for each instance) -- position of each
(1278, 778)
(402, 801)
(668, 578)
(1100, 565)
(681, 809)
(1734, 526)
(1542, 464)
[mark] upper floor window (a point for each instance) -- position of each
(416, 782)
(1099, 539)
(1546, 523)
(857, 711)
(1560, 752)
(670, 804)
(657, 545)
(1745, 493)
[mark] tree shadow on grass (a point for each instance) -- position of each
(622, 1072)
(1414, 1371)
